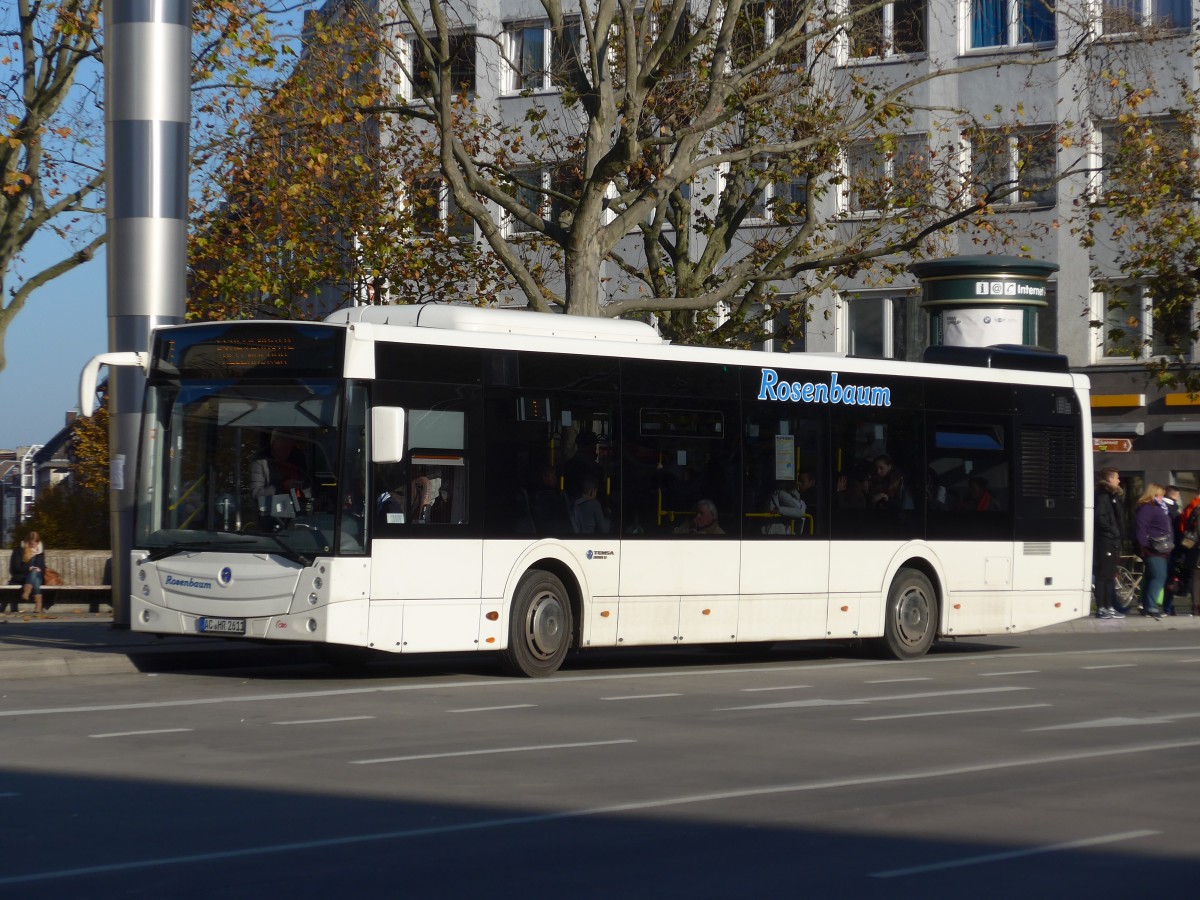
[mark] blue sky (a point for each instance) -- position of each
(63, 325)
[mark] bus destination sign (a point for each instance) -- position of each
(249, 350)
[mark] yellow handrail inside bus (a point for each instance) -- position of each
(806, 520)
(195, 484)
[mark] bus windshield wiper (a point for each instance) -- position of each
(290, 552)
(186, 546)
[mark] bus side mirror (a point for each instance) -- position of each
(387, 434)
(89, 378)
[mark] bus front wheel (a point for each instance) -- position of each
(912, 617)
(539, 628)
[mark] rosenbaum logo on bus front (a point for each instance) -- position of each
(771, 388)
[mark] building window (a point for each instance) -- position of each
(1020, 165)
(787, 330)
(1126, 16)
(462, 66)
(769, 194)
(1131, 156)
(566, 187)
(1136, 326)
(434, 210)
(1009, 23)
(528, 186)
(886, 327)
(536, 59)
(884, 172)
(789, 201)
(761, 23)
(889, 29)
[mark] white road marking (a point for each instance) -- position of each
(138, 733)
(539, 683)
(323, 721)
(1015, 854)
(799, 704)
(1113, 666)
(493, 708)
(1006, 674)
(391, 759)
(641, 696)
(781, 687)
(1119, 722)
(569, 814)
(895, 680)
(952, 712)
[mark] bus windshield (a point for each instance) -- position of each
(253, 467)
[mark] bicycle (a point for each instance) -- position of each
(1128, 595)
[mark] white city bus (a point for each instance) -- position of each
(449, 478)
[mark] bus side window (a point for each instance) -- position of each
(969, 464)
(782, 492)
(878, 475)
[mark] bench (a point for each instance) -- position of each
(86, 577)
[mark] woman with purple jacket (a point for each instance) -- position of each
(1152, 534)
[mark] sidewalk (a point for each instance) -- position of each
(78, 642)
(72, 641)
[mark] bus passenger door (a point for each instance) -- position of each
(970, 518)
(785, 537)
(680, 559)
(426, 514)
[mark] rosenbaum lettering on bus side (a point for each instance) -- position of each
(771, 388)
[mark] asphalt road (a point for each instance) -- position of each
(1063, 765)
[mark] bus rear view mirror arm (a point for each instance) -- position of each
(91, 372)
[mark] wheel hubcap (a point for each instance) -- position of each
(912, 616)
(544, 626)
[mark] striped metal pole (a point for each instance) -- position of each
(147, 65)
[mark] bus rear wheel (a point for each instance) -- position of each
(539, 628)
(912, 616)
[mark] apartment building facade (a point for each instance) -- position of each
(506, 50)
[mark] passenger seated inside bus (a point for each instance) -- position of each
(588, 512)
(936, 495)
(420, 499)
(549, 506)
(806, 483)
(979, 498)
(439, 510)
(886, 488)
(786, 503)
(853, 487)
(583, 465)
(703, 522)
(278, 469)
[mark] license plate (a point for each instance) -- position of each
(209, 625)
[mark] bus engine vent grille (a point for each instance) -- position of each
(1036, 548)
(1048, 463)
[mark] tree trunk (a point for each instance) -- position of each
(583, 280)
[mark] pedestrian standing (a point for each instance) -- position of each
(1109, 538)
(1188, 539)
(1175, 583)
(1155, 541)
